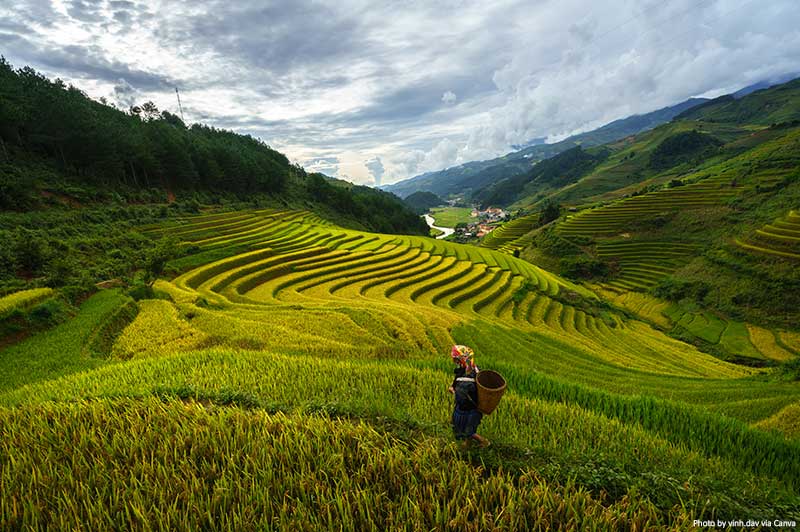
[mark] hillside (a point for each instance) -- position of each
(690, 226)
(764, 107)
(307, 365)
(697, 138)
(556, 172)
(422, 202)
(78, 177)
(60, 147)
(476, 175)
(709, 210)
(196, 334)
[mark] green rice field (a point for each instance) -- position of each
(452, 216)
(512, 235)
(293, 375)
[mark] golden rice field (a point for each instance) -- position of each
(513, 235)
(781, 238)
(399, 294)
(613, 218)
(642, 305)
(293, 375)
(643, 263)
(742, 340)
(22, 299)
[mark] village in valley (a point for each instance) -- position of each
(482, 222)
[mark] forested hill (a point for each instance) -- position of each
(56, 142)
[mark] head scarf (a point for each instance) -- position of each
(463, 356)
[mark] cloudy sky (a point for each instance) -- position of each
(377, 91)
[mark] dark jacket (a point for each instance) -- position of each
(466, 391)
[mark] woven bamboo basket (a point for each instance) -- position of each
(491, 387)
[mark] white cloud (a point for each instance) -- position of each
(375, 167)
(324, 165)
(443, 155)
(388, 82)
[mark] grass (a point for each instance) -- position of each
(451, 216)
(301, 381)
(61, 350)
(642, 305)
(22, 299)
(304, 473)
(558, 437)
(156, 331)
(779, 239)
(766, 343)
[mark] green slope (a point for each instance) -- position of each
(695, 139)
(314, 364)
(59, 147)
(304, 376)
(698, 209)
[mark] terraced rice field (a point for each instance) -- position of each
(63, 349)
(742, 340)
(387, 290)
(781, 238)
(773, 161)
(739, 339)
(511, 236)
(311, 359)
(23, 299)
(643, 263)
(613, 219)
(378, 296)
(640, 304)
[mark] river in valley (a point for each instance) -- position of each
(446, 231)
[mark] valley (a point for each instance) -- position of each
(196, 333)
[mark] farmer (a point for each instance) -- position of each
(466, 416)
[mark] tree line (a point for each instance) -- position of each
(141, 148)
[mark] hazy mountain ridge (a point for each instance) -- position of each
(699, 211)
(478, 174)
(703, 135)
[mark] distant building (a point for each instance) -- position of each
(491, 214)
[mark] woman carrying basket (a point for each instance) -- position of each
(466, 416)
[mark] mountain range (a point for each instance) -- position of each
(475, 175)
